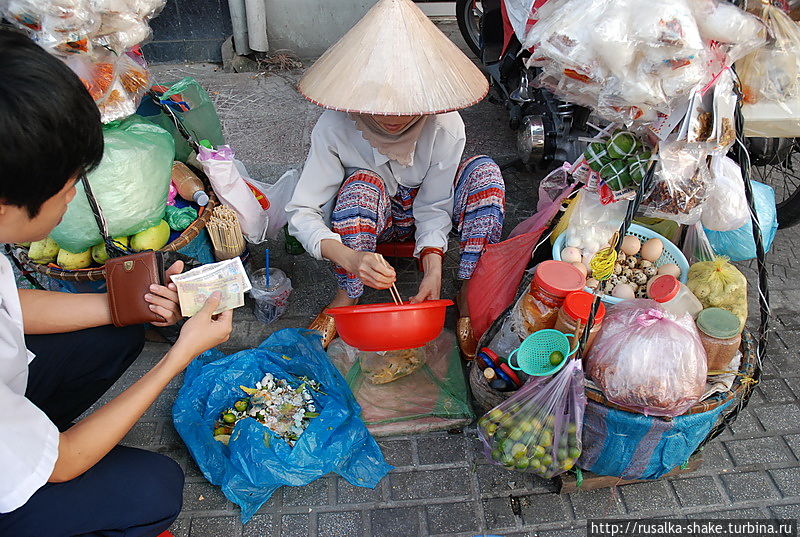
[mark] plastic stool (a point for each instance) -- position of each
(398, 249)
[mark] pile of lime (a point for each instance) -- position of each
(528, 441)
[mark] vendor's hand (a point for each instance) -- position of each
(372, 269)
(163, 300)
(430, 288)
(204, 331)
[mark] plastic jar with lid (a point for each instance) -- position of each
(721, 336)
(576, 309)
(552, 282)
(674, 296)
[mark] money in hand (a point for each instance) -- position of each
(195, 286)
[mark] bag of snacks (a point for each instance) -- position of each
(244, 442)
(682, 183)
(538, 429)
(648, 361)
(718, 284)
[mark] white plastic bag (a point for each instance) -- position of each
(726, 207)
(226, 177)
(279, 195)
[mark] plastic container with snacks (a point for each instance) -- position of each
(574, 312)
(721, 336)
(552, 282)
(674, 296)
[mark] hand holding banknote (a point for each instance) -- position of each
(196, 286)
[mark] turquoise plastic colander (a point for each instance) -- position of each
(533, 356)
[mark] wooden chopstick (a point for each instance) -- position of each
(393, 289)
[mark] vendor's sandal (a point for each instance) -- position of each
(325, 325)
(466, 338)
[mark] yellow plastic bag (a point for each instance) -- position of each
(718, 284)
(563, 222)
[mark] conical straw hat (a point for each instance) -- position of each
(394, 61)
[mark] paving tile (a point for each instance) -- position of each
(746, 425)
(715, 456)
(498, 513)
(748, 486)
(215, 526)
(496, 480)
(449, 518)
(442, 449)
(315, 493)
(294, 525)
(395, 522)
(396, 452)
(787, 481)
(141, 435)
(598, 503)
(347, 493)
(752, 513)
(781, 418)
(696, 491)
(203, 496)
(640, 497)
(785, 511)
(261, 525)
(543, 508)
(794, 443)
(755, 450)
(776, 391)
(561, 532)
(429, 484)
(342, 524)
(180, 528)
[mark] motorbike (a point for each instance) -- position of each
(549, 130)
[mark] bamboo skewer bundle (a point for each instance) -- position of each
(226, 233)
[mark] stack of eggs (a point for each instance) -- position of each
(634, 270)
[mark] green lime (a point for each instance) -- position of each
(483, 422)
(518, 450)
(495, 414)
(547, 460)
(497, 454)
(549, 421)
(562, 454)
(491, 428)
(573, 440)
(546, 439)
(522, 464)
(538, 451)
(220, 430)
(508, 460)
(500, 432)
(574, 453)
(526, 426)
(572, 428)
(556, 357)
(240, 405)
(515, 434)
(229, 417)
(568, 464)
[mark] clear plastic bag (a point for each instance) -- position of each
(738, 244)
(131, 185)
(718, 284)
(696, 246)
(592, 224)
(772, 73)
(682, 183)
(538, 429)
(726, 208)
(270, 301)
(648, 361)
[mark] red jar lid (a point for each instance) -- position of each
(664, 288)
(578, 305)
(558, 278)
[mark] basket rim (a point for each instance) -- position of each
(634, 229)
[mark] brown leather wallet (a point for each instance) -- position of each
(128, 279)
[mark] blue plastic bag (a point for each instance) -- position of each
(256, 462)
(738, 244)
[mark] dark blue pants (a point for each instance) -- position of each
(130, 492)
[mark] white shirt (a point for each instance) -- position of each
(337, 145)
(28, 439)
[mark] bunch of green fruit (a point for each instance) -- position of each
(530, 440)
(621, 161)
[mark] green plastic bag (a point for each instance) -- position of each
(201, 119)
(131, 185)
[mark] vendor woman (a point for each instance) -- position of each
(386, 160)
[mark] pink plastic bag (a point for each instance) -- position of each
(538, 429)
(502, 265)
(647, 360)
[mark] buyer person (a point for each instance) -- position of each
(385, 162)
(58, 354)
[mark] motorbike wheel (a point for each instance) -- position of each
(468, 16)
(776, 162)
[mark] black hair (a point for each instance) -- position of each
(50, 127)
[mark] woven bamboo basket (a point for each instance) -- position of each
(95, 274)
(487, 398)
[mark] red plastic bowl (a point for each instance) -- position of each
(390, 327)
